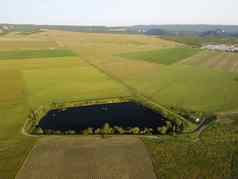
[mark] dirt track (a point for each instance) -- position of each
(74, 157)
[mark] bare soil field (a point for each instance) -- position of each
(88, 157)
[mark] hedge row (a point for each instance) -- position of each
(108, 130)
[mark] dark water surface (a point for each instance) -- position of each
(125, 115)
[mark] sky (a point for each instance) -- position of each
(119, 12)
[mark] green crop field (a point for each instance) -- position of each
(46, 85)
(196, 88)
(97, 66)
(26, 54)
(163, 56)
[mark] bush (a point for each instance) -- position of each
(58, 132)
(48, 131)
(70, 132)
(119, 130)
(168, 124)
(147, 131)
(38, 131)
(107, 129)
(162, 130)
(135, 130)
(97, 131)
(88, 131)
(142, 132)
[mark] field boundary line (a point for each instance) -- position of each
(135, 93)
(26, 158)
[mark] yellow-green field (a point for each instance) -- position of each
(12, 41)
(173, 85)
(97, 71)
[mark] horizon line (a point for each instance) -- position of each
(104, 25)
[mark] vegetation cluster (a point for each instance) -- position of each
(193, 116)
(106, 129)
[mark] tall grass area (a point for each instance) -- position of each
(162, 56)
(174, 158)
(28, 54)
(213, 156)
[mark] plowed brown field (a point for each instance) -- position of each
(118, 157)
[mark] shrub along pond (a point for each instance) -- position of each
(113, 118)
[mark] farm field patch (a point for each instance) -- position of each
(199, 88)
(191, 87)
(190, 160)
(88, 157)
(17, 101)
(15, 42)
(41, 63)
(13, 112)
(196, 88)
(26, 54)
(76, 83)
(12, 86)
(98, 73)
(214, 60)
(214, 154)
(9, 45)
(162, 56)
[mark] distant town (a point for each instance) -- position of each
(222, 47)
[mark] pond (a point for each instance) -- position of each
(125, 115)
